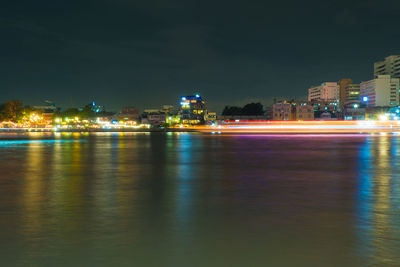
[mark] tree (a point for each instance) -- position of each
(253, 109)
(10, 110)
(70, 112)
(24, 113)
(232, 110)
(87, 112)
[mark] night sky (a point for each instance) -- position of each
(148, 53)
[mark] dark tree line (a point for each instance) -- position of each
(251, 109)
(85, 112)
(11, 110)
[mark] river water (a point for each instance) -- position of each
(187, 199)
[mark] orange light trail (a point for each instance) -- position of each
(338, 126)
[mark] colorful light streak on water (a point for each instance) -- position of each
(302, 127)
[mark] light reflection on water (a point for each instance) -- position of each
(379, 200)
(199, 200)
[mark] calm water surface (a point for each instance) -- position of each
(163, 199)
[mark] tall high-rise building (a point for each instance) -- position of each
(193, 109)
(328, 91)
(382, 91)
(389, 66)
(351, 94)
(343, 83)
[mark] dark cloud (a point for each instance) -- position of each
(147, 53)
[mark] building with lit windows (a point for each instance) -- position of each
(389, 66)
(193, 110)
(325, 109)
(382, 91)
(282, 111)
(292, 111)
(211, 116)
(303, 111)
(156, 117)
(343, 84)
(352, 93)
(327, 91)
(127, 114)
(354, 111)
(96, 108)
(47, 111)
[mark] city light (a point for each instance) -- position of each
(383, 117)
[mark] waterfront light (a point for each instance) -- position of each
(383, 117)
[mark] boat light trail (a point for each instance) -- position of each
(300, 127)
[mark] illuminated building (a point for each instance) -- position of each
(46, 111)
(343, 85)
(382, 91)
(193, 109)
(328, 91)
(168, 109)
(211, 116)
(173, 119)
(383, 113)
(325, 109)
(156, 117)
(352, 93)
(389, 66)
(354, 111)
(283, 111)
(303, 111)
(292, 111)
(127, 114)
(96, 108)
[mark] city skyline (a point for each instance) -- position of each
(144, 54)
